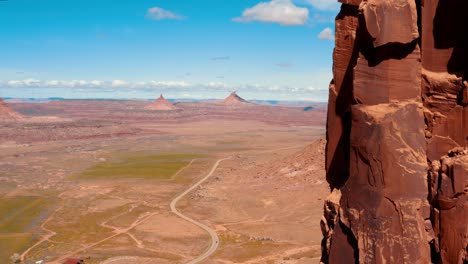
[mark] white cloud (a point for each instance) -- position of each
(23, 83)
(92, 84)
(283, 12)
(96, 83)
(158, 13)
(118, 83)
(177, 89)
(169, 84)
(216, 84)
(328, 5)
(327, 34)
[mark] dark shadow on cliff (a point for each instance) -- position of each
(338, 172)
(451, 31)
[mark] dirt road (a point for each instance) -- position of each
(211, 232)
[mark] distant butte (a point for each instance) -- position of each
(6, 114)
(234, 99)
(161, 104)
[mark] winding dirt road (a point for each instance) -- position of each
(211, 232)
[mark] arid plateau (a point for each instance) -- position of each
(93, 180)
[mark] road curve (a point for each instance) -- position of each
(214, 236)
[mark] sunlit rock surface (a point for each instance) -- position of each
(397, 131)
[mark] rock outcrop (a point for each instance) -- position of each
(6, 114)
(161, 104)
(396, 134)
(234, 99)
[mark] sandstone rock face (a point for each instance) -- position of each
(448, 179)
(396, 130)
(376, 206)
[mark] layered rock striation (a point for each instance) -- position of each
(397, 133)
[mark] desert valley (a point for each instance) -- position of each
(93, 180)
(351, 148)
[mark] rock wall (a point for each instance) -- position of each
(396, 131)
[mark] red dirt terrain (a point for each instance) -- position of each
(398, 134)
(87, 119)
(260, 198)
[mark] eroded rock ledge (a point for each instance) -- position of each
(397, 131)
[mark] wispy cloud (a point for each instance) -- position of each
(326, 34)
(158, 13)
(177, 89)
(34, 83)
(283, 12)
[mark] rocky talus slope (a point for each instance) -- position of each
(397, 134)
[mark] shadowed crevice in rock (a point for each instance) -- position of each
(345, 249)
(338, 173)
(419, 12)
(451, 31)
(340, 103)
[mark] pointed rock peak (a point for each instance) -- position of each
(161, 104)
(233, 98)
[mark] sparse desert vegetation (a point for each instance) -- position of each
(138, 166)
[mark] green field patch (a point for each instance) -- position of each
(23, 213)
(13, 243)
(161, 166)
(20, 218)
(76, 225)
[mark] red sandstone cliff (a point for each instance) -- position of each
(397, 131)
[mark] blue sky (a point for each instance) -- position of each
(272, 49)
